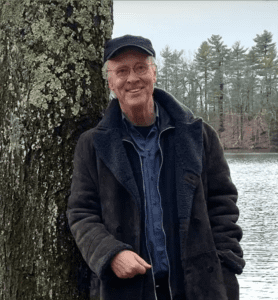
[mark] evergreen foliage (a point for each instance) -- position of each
(221, 81)
(203, 59)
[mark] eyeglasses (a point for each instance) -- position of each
(139, 69)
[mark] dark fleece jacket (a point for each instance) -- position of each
(198, 199)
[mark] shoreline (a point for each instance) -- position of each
(268, 150)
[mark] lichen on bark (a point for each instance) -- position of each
(51, 54)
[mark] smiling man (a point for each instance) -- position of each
(131, 76)
(152, 205)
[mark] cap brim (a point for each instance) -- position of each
(119, 50)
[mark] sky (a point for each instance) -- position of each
(184, 25)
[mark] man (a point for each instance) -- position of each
(152, 205)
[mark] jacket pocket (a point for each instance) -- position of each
(192, 179)
(94, 287)
(203, 277)
(231, 260)
(186, 187)
(231, 284)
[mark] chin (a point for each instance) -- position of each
(137, 101)
(142, 98)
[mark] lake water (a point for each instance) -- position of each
(256, 178)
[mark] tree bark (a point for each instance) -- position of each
(51, 55)
(220, 107)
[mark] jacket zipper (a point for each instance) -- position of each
(145, 215)
(162, 210)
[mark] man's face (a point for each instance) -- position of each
(135, 90)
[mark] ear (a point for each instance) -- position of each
(110, 84)
(154, 76)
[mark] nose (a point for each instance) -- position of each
(132, 76)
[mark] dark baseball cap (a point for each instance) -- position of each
(115, 46)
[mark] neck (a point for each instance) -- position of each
(139, 116)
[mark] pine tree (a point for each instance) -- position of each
(237, 67)
(176, 75)
(251, 81)
(219, 60)
(238, 95)
(202, 60)
(193, 82)
(267, 67)
(184, 89)
(165, 72)
(51, 54)
(266, 53)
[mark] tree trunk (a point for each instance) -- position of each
(52, 91)
(220, 107)
(273, 134)
(241, 125)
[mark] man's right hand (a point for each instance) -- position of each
(127, 264)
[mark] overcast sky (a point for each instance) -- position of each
(184, 25)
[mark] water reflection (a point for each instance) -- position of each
(256, 178)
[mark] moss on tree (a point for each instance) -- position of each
(51, 54)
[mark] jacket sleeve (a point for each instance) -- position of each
(222, 209)
(96, 244)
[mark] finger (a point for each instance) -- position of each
(148, 266)
(142, 270)
(131, 274)
(142, 262)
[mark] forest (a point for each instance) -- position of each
(233, 89)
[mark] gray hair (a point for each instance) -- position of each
(105, 67)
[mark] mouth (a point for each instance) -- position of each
(134, 91)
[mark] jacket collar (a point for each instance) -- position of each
(127, 126)
(177, 111)
(124, 117)
(107, 138)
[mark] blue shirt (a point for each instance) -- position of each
(150, 157)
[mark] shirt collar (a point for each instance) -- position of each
(125, 120)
